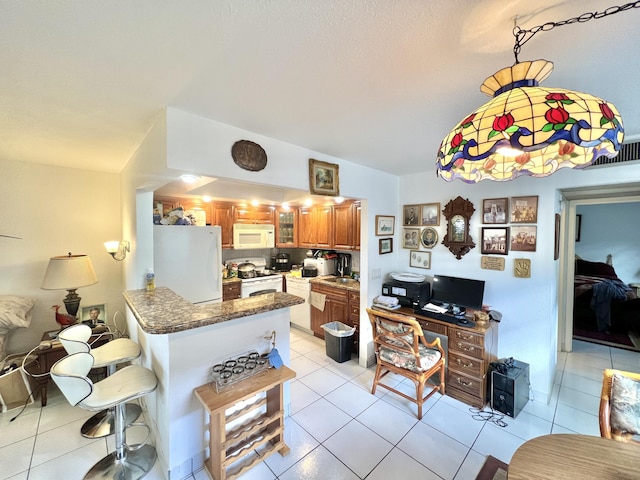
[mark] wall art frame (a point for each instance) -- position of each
(411, 215)
(385, 245)
(524, 209)
(420, 259)
(430, 214)
(324, 178)
(410, 238)
(495, 241)
(385, 225)
(495, 210)
(524, 238)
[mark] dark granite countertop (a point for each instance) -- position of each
(167, 312)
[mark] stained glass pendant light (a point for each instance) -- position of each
(526, 129)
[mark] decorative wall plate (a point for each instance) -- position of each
(249, 155)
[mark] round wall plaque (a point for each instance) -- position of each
(249, 155)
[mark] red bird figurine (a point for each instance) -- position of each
(65, 320)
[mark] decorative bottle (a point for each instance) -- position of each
(150, 279)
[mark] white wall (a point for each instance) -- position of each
(55, 211)
(614, 229)
(529, 328)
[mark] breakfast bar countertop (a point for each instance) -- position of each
(167, 312)
(345, 283)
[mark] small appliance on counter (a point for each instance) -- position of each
(309, 271)
(408, 293)
(324, 266)
(282, 262)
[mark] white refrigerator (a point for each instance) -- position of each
(188, 260)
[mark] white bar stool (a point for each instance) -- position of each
(75, 339)
(130, 462)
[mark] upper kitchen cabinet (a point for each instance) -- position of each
(222, 214)
(286, 228)
(258, 214)
(346, 232)
(200, 210)
(315, 227)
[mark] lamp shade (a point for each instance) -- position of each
(526, 129)
(69, 272)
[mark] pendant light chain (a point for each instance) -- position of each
(523, 36)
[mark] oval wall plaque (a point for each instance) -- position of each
(249, 155)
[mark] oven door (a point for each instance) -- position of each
(273, 282)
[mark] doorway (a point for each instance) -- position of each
(571, 199)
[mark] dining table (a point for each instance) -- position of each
(575, 457)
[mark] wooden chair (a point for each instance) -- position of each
(606, 399)
(401, 348)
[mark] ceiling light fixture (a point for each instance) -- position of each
(526, 129)
(188, 178)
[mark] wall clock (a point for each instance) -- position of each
(458, 214)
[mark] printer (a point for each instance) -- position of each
(408, 293)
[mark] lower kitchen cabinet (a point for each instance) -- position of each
(231, 290)
(336, 308)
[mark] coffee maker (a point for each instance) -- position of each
(343, 265)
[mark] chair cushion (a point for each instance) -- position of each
(428, 358)
(625, 404)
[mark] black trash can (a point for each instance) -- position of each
(338, 340)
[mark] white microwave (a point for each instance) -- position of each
(247, 236)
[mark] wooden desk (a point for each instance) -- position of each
(48, 356)
(228, 446)
(562, 456)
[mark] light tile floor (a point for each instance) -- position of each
(338, 430)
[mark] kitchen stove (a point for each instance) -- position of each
(265, 281)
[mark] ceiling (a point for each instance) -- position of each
(374, 82)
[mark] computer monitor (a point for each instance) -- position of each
(461, 292)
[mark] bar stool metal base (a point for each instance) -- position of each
(135, 465)
(102, 423)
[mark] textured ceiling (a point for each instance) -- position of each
(375, 82)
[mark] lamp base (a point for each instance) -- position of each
(72, 302)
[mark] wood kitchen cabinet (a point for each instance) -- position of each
(336, 308)
(315, 227)
(286, 228)
(222, 215)
(346, 230)
(354, 318)
(231, 290)
(259, 214)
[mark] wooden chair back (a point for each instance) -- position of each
(604, 414)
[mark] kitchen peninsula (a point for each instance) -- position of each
(180, 342)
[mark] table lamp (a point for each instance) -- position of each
(69, 272)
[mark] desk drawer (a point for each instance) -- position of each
(465, 348)
(457, 335)
(432, 326)
(466, 365)
(470, 385)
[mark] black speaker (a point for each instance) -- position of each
(508, 386)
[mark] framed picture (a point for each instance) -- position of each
(430, 214)
(556, 238)
(524, 238)
(420, 259)
(385, 246)
(578, 226)
(411, 215)
(323, 178)
(524, 209)
(429, 237)
(94, 314)
(410, 238)
(494, 210)
(495, 240)
(385, 224)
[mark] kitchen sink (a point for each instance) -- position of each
(342, 280)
